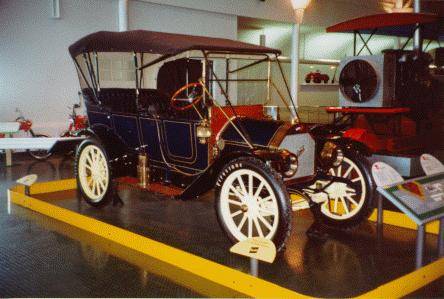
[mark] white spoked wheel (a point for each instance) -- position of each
(248, 205)
(345, 202)
(93, 173)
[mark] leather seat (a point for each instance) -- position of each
(119, 100)
(154, 102)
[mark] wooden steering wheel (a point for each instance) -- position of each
(193, 98)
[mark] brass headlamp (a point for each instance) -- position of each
(293, 164)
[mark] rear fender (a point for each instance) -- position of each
(123, 160)
(113, 145)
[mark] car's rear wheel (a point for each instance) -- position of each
(252, 201)
(351, 203)
(93, 173)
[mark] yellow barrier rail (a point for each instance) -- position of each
(239, 282)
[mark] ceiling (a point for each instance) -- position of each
(433, 6)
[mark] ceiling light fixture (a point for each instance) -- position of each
(299, 7)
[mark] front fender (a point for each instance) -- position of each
(353, 146)
(206, 180)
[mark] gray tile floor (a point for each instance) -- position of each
(41, 257)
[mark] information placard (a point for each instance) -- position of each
(422, 199)
(258, 248)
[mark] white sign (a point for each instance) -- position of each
(258, 248)
(421, 199)
(28, 180)
(431, 165)
(385, 175)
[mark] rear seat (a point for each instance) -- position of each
(121, 100)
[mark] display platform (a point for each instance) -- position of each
(181, 240)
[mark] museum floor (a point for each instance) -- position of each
(41, 257)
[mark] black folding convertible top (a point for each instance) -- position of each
(159, 43)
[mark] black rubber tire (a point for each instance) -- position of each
(278, 187)
(42, 154)
(366, 209)
(110, 192)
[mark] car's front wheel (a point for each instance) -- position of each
(93, 173)
(252, 201)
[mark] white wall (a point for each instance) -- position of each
(143, 15)
(36, 73)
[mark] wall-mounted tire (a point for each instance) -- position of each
(252, 201)
(93, 173)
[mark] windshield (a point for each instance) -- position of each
(245, 80)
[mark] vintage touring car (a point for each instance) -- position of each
(180, 115)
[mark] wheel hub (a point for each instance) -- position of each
(252, 206)
(338, 189)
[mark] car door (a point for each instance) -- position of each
(124, 115)
(179, 142)
(181, 146)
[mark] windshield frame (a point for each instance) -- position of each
(269, 58)
(92, 68)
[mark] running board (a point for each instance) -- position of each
(158, 188)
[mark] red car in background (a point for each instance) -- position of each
(316, 77)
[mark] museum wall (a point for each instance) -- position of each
(37, 74)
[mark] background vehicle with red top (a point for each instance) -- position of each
(388, 103)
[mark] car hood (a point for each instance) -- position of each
(262, 132)
(276, 134)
